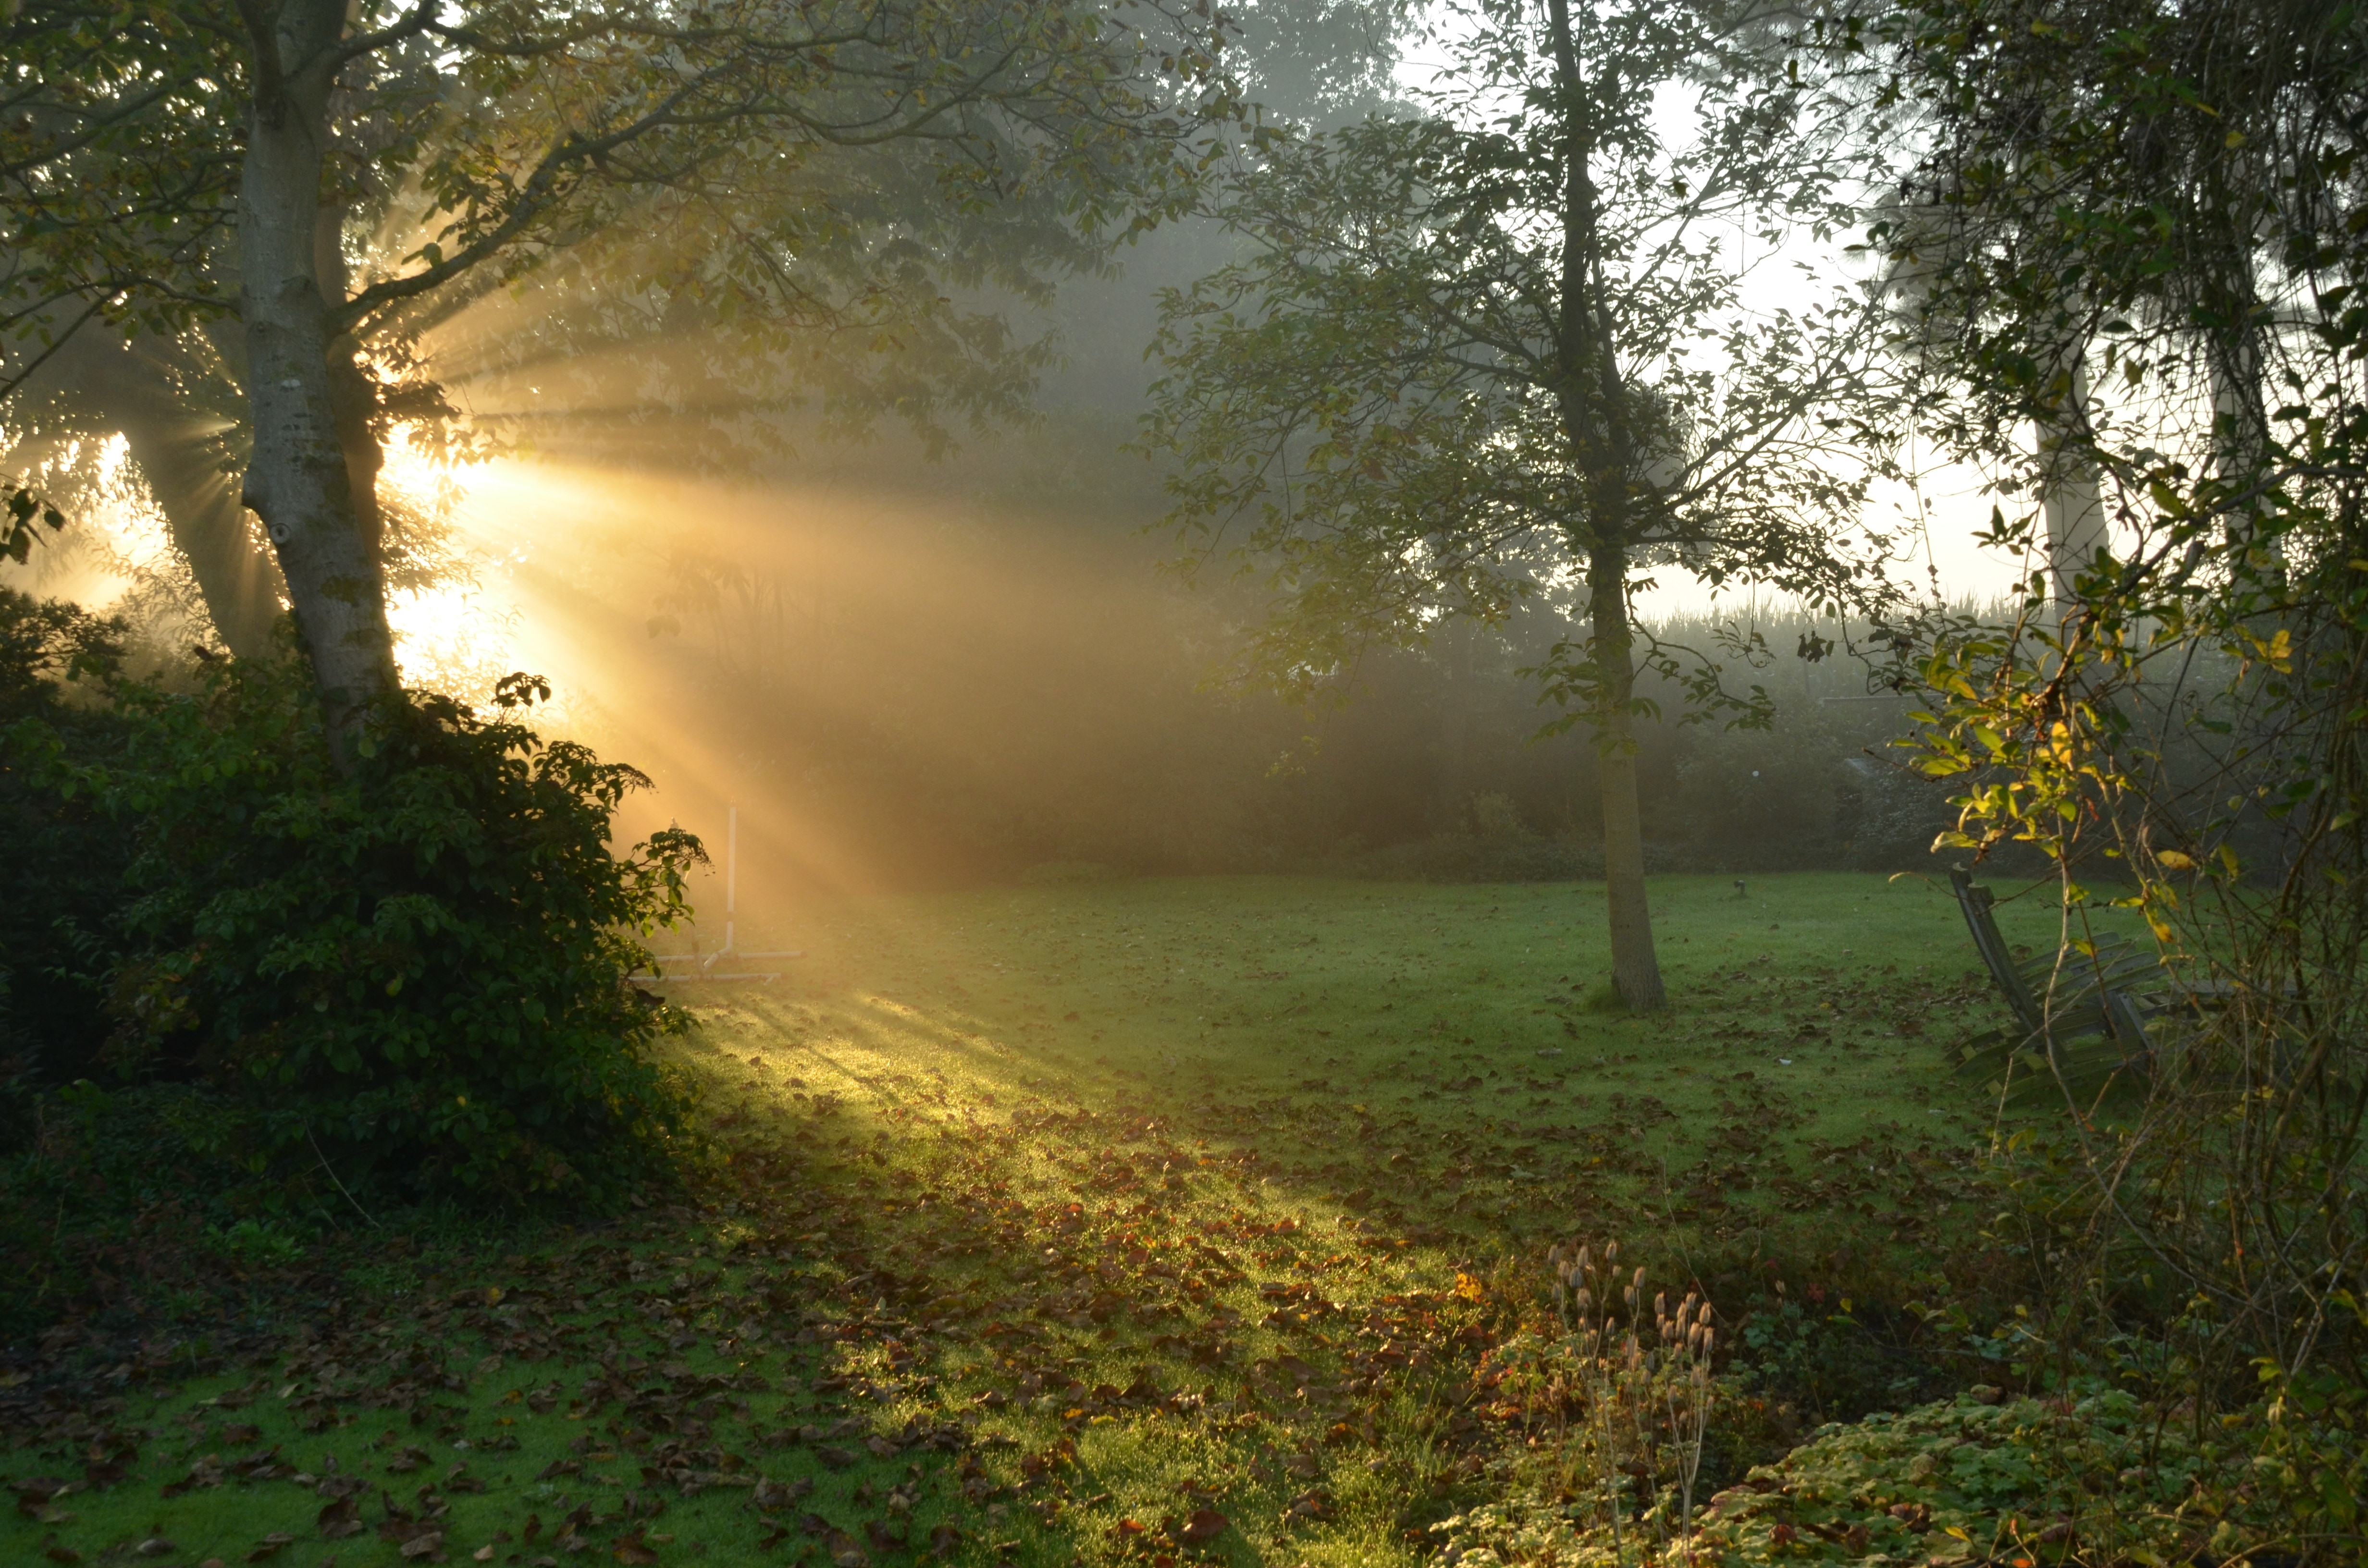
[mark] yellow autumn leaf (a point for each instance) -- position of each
(2174, 859)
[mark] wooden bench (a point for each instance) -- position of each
(2079, 1017)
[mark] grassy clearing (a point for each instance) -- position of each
(1130, 1222)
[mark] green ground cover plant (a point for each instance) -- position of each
(1106, 1221)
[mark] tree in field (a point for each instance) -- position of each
(1508, 345)
(768, 165)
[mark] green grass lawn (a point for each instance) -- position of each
(1137, 1223)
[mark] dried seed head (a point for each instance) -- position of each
(1610, 1253)
(1660, 1303)
(1639, 1281)
(1704, 1318)
(1582, 1259)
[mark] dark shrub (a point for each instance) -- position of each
(413, 973)
(62, 863)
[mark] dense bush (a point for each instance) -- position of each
(60, 861)
(411, 971)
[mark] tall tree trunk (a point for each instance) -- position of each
(352, 397)
(208, 526)
(2072, 495)
(1454, 804)
(2240, 417)
(131, 389)
(299, 480)
(1594, 414)
(1635, 969)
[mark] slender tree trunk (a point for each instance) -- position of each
(1594, 414)
(1454, 804)
(208, 528)
(2240, 419)
(2073, 498)
(299, 480)
(136, 393)
(1635, 969)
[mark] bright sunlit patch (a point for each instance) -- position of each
(402, 466)
(448, 639)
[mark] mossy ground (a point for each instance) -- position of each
(1062, 1223)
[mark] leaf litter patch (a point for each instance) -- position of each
(1051, 1332)
(846, 1370)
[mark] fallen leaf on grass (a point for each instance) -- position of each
(271, 1546)
(262, 1465)
(631, 1551)
(37, 1490)
(206, 1471)
(773, 1495)
(1205, 1525)
(155, 1546)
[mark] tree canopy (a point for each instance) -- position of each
(331, 178)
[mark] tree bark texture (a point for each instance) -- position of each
(299, 480)
(1635, 968)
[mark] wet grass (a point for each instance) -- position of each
(1114, 1223)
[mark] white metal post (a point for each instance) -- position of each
(731, 920)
